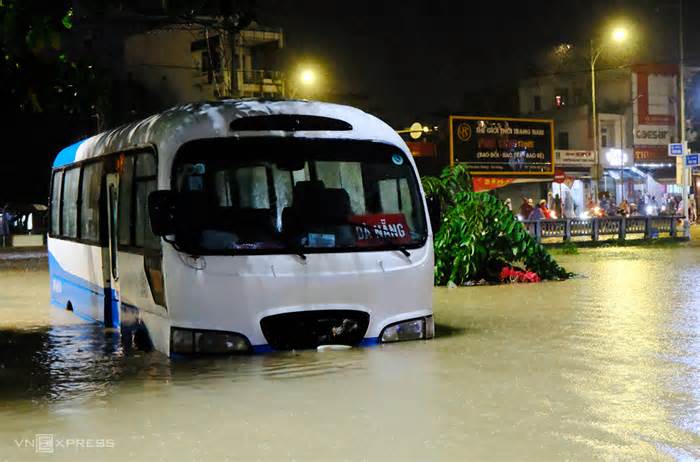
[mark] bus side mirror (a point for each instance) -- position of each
(161, 211)
(434, 212)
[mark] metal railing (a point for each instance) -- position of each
(595, 228)
(258, 76)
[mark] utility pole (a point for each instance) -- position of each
(597, 169)
(681, 77)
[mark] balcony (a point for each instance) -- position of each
(248, 83)
(259, 82)
(260, 35)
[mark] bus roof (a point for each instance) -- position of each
(172, 127)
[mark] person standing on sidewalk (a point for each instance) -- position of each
(692, 209)
(4, 226)
(526, 208)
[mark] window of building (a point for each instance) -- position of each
(538, 103)
(206, 67)
(69, 218)
(604, 137)
(210, 64)
(205, 62)
(56, 203)
(90, 202)
(561, 97)
(563, 140)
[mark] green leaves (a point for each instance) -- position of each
(67, 20)
(480, 235)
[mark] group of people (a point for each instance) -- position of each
(647, 205)
(551, 208)
(554, 207)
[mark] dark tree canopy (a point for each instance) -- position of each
(54, 89)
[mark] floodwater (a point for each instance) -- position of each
(606, 365)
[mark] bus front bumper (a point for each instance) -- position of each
(296, 331)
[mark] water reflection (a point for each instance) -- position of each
(605, 365)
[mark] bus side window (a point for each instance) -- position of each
(90, 202)
(125, 217)
(70, 203)
(56, 203)
(145, 183)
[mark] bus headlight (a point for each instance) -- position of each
(188, 341)
(414, 329)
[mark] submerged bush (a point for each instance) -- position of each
(569, 249)
(479, 236)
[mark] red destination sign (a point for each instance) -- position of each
(377, 228)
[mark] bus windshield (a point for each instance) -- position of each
(290, 195)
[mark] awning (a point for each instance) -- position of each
(664, 175)
(628, 173)
(577, 172)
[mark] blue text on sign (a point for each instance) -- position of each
(675, 149)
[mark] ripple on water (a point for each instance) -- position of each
(604, 365)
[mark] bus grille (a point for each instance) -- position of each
(309, 329)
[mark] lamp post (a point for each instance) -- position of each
(622, 164)
(618, 35)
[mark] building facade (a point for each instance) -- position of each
(636, 119)
(196, 63)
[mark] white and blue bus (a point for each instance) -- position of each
(244, 226)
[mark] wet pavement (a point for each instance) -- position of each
(606, 365)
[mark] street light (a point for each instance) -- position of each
(618, 35)
(305, 79)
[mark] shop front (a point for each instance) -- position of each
(620, 180)
(514, 158)
(658, 170)
(576, 177)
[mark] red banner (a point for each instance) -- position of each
(643, 99)
(486, 184)
(422, 149)
(377, 228)
(652, 154)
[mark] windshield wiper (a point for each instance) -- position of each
(386, 240)
(283, 239)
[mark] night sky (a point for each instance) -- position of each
(411, 59)
(408, 60)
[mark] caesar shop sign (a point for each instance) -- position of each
(573, 158)
(499, 146)
(646, 135)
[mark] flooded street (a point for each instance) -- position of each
(606, 365)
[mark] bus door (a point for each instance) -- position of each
(112, 293)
